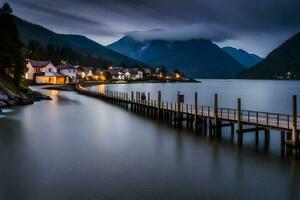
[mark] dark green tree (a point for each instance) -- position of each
(6, 9)
(35, 51)
(11, 58)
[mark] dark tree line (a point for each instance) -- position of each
(13, 52)
(34, 50)
(11, 58)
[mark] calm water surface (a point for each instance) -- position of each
(76, 147)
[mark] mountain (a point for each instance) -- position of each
(81, 44)
(281, 63)
(243, 57)
(197, 58)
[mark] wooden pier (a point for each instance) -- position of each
(209, 119)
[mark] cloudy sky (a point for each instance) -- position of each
(257, 26)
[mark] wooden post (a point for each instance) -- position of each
(240, 128)
(139, 102)
(162, 110)
(196, 109)
(131, 105)
(294, 124)
(178, 107)
(159, 103)
(216, 114)
(167, 111)
(239, 108)
(148, 98)
(126, 106)
(256, 135)
(267, 136)
(282, 138)
(216, 108)
(232, 131)
(205, 125)
(139, 97)
(210, 127)
(171, 113)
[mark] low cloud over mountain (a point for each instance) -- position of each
(255, 25)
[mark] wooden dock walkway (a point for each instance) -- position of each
(207, 117)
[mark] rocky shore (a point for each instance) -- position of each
(24, 97)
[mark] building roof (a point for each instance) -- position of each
(38, 63)
(112, 71)
(65, 66)
(48, 74)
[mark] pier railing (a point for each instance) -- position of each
(256, 118)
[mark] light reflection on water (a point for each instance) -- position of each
(76, 147)
(6, 110)
(101, 88)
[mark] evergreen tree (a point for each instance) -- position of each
(6, 9)
(35, 51)
(11, 58)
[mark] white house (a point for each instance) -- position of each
(121, 76)
(139, 75)
(148, 71)
(68, 70)
(127, 75)
(44, 72)
(34, 66)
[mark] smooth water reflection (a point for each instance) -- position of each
(76, 147)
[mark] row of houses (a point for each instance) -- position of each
(44, 72)
(118, 73)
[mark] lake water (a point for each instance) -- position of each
(77, 147)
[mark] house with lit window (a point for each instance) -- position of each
(44, 72)
(68, 70)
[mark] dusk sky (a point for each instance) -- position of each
(257, 26)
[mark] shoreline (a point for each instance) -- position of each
(90, 83)
(71, 87)
(23, 97)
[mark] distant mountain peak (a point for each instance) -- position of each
(198, 58)
(243, 57)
